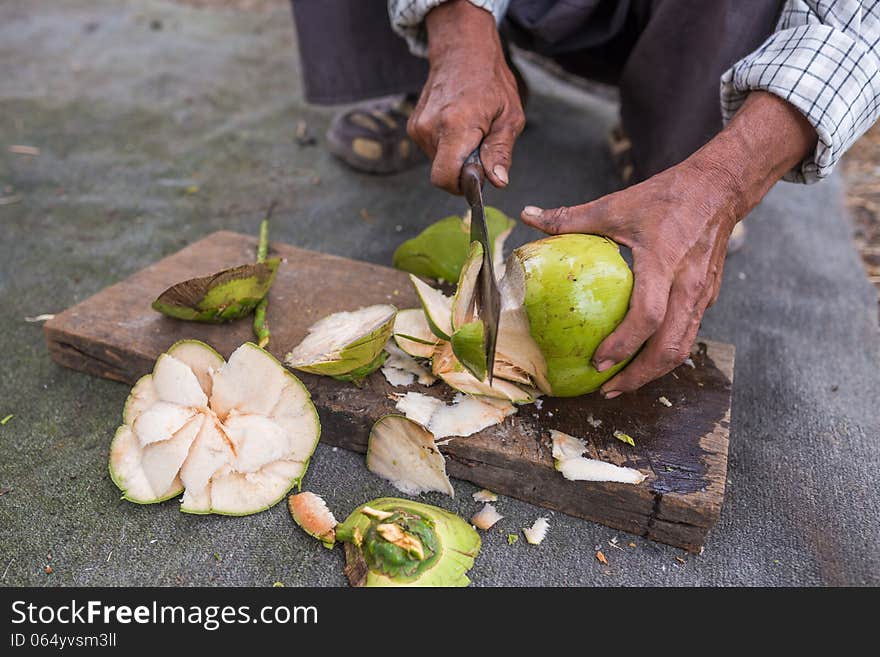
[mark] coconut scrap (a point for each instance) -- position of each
(485, 496)
(233, 436)
(345, 341)
(413, 334)
(437, 307)
(536, 533)
(404, 453)
(486, 517)
(310, 512)
(465, 416)
(400, 369)
(567, 453)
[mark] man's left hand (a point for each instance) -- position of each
(677, 225)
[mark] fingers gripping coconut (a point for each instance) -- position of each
(232, 436)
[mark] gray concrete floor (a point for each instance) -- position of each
(128, 118)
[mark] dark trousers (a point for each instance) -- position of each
(666, 57)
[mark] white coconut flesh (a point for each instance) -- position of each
(567, 453)
(437, 307)
(128, 474)
(537, 532)
(464, 302)
(310, 512)
(446, 366)
(329, 338)
(141, 397)
(242, 493)
(404, 453)
(400, 369)
(465, 416)
(486, 517)
(485, 496)
(177, 384)
(237, 453)
(515, 342)
(200, 358)
(413, 334)
(498, 263)
(161, 461)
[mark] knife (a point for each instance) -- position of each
(488, 298)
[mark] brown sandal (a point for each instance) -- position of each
(372, 138)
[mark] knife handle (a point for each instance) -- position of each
(472, 167)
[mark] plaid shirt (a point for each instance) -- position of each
(823, 58)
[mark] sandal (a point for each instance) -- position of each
(372, 137)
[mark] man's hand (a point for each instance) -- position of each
(470, 96)
(677, 224)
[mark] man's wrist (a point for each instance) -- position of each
(766, 139)
(459, 26)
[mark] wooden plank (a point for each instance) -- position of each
(115, 334)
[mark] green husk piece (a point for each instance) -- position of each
(416, 545)
(624, 438)
(440, 250)
(437, 307)
(345, 342)
(469, 346)
(464, 301)
(261, 326)
(358, 375)
(230, 294)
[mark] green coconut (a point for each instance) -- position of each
(396, 542)
(572, 291)
(344, 342)
(440, 250)
(233, 436)
(229, 294)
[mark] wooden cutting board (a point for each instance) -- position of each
(683, 449)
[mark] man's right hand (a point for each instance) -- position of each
(470, 96)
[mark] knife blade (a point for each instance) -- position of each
(488, 297)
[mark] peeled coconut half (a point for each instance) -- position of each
(344, 341)
(233, 436)
(404, 453)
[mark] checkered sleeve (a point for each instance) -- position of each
(824, 60)
(408, 18)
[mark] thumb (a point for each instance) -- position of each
(591, 218)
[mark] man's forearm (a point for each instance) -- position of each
(765, 139)
(457, 26)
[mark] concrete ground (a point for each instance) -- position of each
(158, 123)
